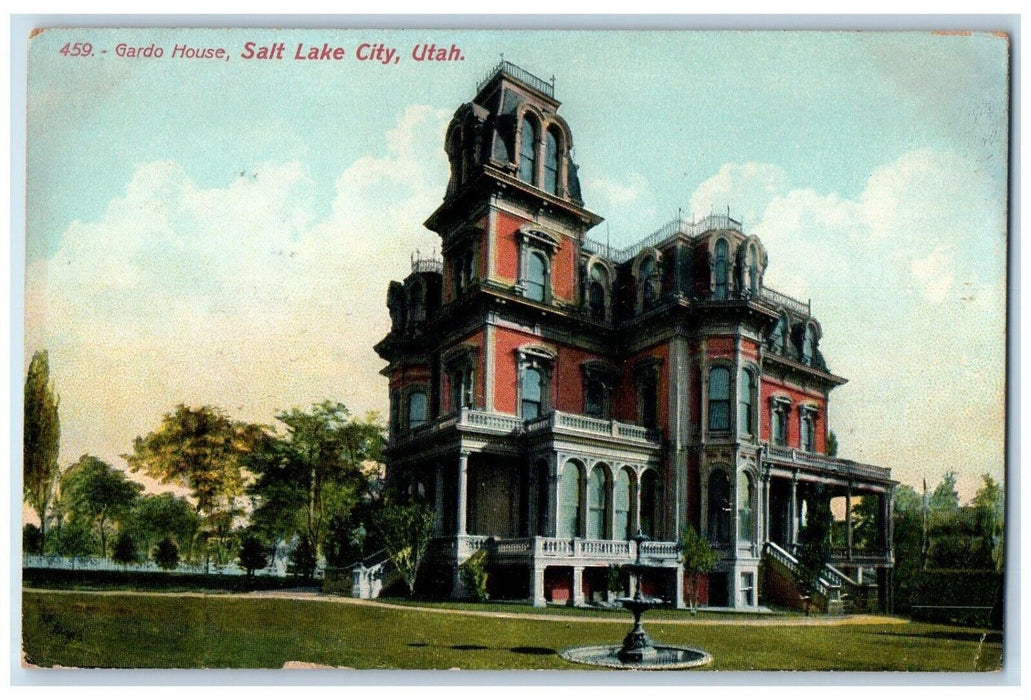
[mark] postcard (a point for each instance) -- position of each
(465, 349)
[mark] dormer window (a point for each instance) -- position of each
(646, 274)
(809, 345)
(551, 162)
(528, 151)
(720, 271)
(779, 336)
(416, 304)
(597, 287)
(752, 270)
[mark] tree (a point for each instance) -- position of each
(41, 439)
(166, 554)
(164, 516)
(31, 539)
(698, 558)
(989, 508)
(815, 546)
(945, 498)
(406, 530)
(125, 550)
(203, 450)
(253, 554)
(832, 444)
(311, 477)
(303, 560)
(99, 494)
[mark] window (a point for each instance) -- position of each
(551, 162)
(779, 423)
(416, 409)
(719, 508)
(462, 270)
(647, 277)
(745, 501)
(395, 412)
(719, 398)
(533, 393)
(416, 304)
(807, 426)
(597, 489)
(746, 410)
(569, 501)
(596, 291)
(648, 397)
(528, 152)
(536, 276)
(753, 270)
(720, 271)
(461, 387)
(649, 504)
(809, 345)
(747, 589)
(779, 337)
(621, 505)
(595, 399)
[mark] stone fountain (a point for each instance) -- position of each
(638, 650)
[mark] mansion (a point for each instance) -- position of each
(551, 395)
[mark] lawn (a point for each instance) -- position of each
(121, 630)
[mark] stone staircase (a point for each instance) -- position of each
(781, 587)
(366, 579)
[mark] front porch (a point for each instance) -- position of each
(575, 570)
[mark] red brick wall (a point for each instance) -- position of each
(772, 387)
(506, 256)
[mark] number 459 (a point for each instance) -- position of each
(77, 49)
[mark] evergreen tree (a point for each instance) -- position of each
(253, 554)
(42, 436)
(125, 550)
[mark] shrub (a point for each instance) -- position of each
(125, 550)
(166, 554)
(474, 575)
(31, 539)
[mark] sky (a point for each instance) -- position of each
(223, 232)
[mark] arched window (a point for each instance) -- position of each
(746, 407)
(745, 505)
(809, 345)
(569, 501)
(752, 263)
(650, 504)
(647, 275)
(597, 284)
(536, 276)
(779, 337)
(719, 508)
(720, 272)
(597, 491)
(551, 162)
(719, 398)
(621, 505)
(528, 151)
(416, 409)
(532, 393)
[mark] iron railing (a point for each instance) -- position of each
(676, 227)
(523, 76)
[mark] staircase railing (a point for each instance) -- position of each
(828, 584)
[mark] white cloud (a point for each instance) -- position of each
(747, 188)
(234, 295)
(606, 194)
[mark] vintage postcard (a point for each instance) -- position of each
(570, 350)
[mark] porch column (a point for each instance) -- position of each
(635, 516)
(438, 498)
(551, 509)
(537, 581)
(578, 586)
(885, 525)
(793, 520)
(463, 487)
(848, 520)
(764, 536)
(679, 601)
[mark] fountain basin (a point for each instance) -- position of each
(665, 658)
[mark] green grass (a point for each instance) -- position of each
(118, 630)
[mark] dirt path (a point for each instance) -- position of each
(792, 621)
